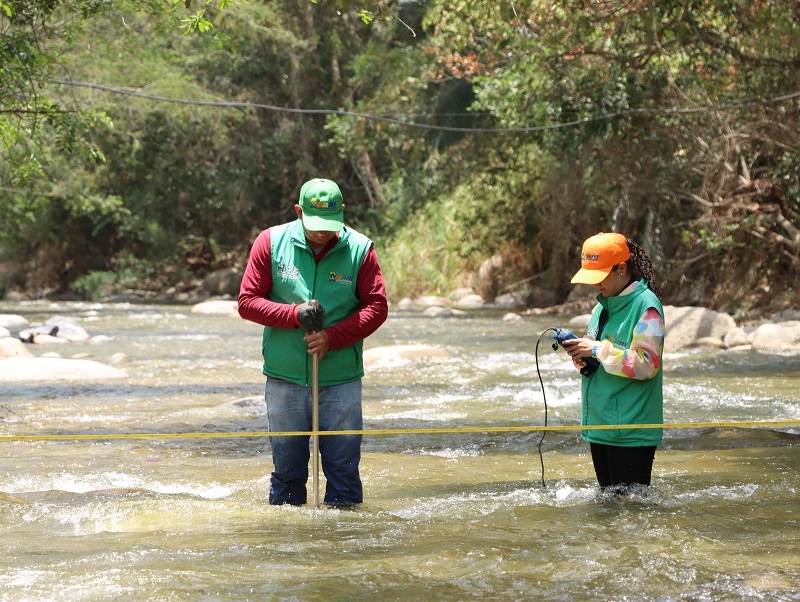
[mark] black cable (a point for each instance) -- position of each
(429, 126)
(9, 411)
(544, 398)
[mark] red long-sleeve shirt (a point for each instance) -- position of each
(255, 305)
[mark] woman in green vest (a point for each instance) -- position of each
(626, 336)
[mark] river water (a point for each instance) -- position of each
(447, 516)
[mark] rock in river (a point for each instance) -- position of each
(45, 369)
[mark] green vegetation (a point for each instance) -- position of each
(457, 131)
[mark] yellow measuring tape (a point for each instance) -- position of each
(432, 431)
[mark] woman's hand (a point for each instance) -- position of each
(579, 349)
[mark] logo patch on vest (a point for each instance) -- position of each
(340, 279)
(287, 271)
(618, 342)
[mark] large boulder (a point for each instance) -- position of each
(223, 282)
(579, 323)
(48, 339)
(470, 301)
(405, 304)
(380, 355)
(458, 294)
(29, 334)
(736, 337)
(68, 328)
(582, 291)
(13, 322)
(58, 329)
(509, 301)
(687, 325)
(776, 337)
(443, 312)
(13, 347)
(46, 369)
(432, 301)
(217, 306)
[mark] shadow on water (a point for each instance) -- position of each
(231, 390)
(728, 438)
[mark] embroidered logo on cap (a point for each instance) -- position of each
(318, 204)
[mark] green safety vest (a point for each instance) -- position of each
(612, 399)
(297, 278)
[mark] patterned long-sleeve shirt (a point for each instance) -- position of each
(642, 359)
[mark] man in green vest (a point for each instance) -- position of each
(626, 336)
(314, 257)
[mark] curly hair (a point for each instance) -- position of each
(641, 267)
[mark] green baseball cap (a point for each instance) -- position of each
(321, 204)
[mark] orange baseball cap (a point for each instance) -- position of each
(600, 254)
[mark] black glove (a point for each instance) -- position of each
(310, 315)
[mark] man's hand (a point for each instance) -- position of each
(309, 315)
(318, 343)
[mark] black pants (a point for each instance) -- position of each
(618, 466)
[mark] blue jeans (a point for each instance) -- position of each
(289, 409)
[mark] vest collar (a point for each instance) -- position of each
(616, 303)
(299, 236)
